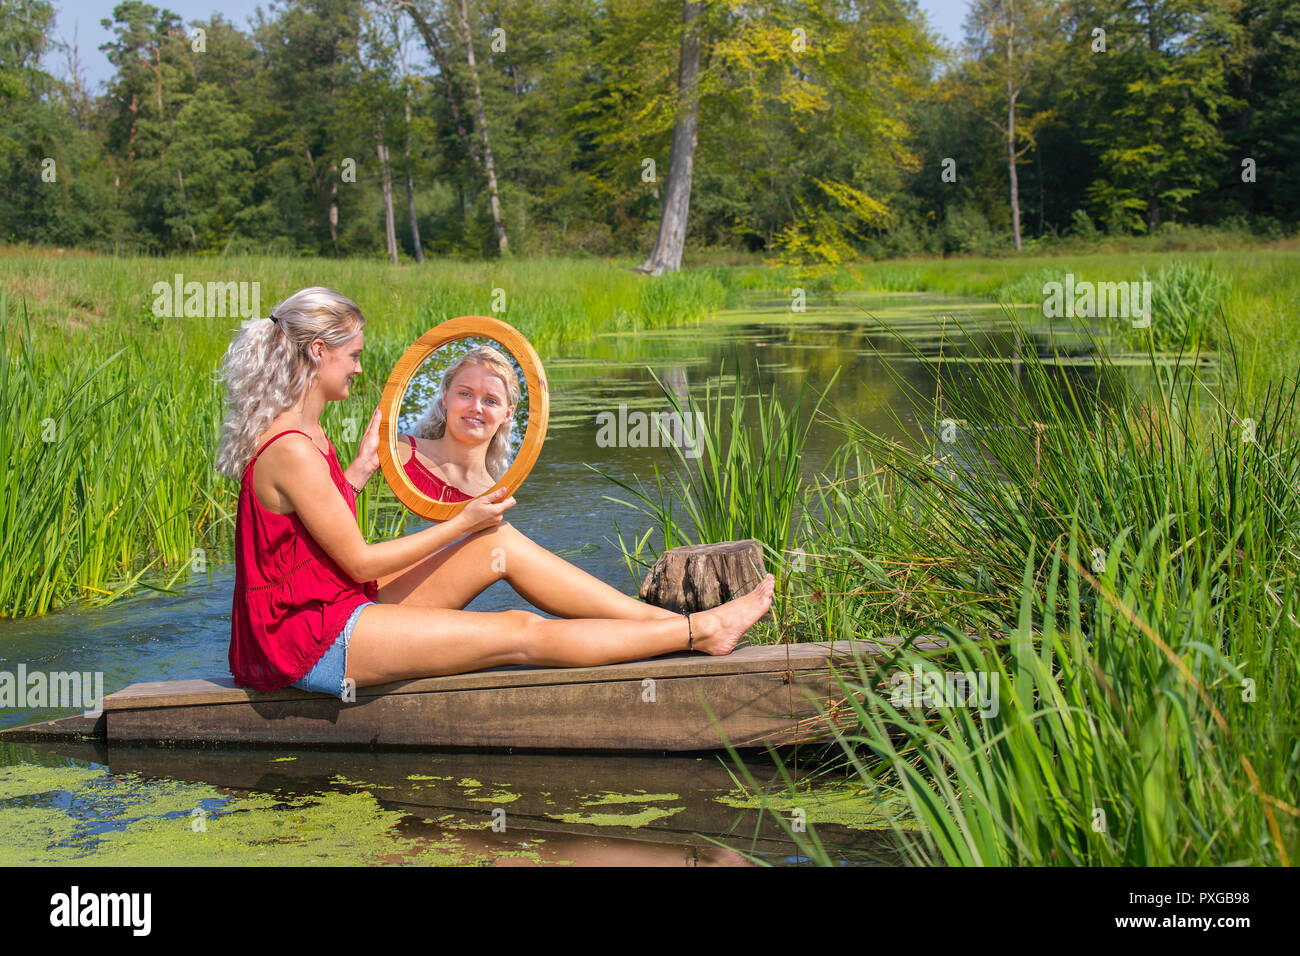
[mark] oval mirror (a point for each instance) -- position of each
(464, 412)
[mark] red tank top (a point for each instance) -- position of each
(429, 483)
(291, 599)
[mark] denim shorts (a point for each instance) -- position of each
(326, 677)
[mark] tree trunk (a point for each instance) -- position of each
(667, 254)
(194, 239)
(134, 109)
(390, 229)
(1011, 144)
(334, 206)
(701, 576)
(1011, 168)
(81, 102)
(481, 118)
(430, 37)
(410, 191)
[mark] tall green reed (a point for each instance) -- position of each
(1123, 572)
(746, 481)
(109, 473)
(1125, 738)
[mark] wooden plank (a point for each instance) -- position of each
(744, 660)
(758, 694)
(750, 709)
(79, 727)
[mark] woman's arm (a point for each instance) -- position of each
(302, 476)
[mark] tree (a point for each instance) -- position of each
(304, 127)
(1153, 102)
(835, 88)
(1012, 43)
(1266, 128)
(667, 252)
(212, 169)
(430, 20)
(53, 183)
(396, 40)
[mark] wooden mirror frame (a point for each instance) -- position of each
(539, 408)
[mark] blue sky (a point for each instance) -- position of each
(84, 15)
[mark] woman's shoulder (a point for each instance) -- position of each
(287, 452)
(290, 435)
(406, 445)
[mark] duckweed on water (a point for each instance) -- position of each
(52, 817)
(28, 780)
(634, 820)
(645, 816)
(844, 806)
(341, 780)
(639, 797)
(499, 796)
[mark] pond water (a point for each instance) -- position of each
(180, 806)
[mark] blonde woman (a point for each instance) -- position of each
(462, 444)
(315, 604)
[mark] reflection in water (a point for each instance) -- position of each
(139, 805)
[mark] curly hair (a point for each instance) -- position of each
(434, 422)
(269, 366)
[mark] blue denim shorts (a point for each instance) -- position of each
(326, 677)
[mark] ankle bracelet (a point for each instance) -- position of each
(690, 636)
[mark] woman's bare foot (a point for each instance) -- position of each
(718, 629)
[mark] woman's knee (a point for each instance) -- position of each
(522, 626)
(522, 622)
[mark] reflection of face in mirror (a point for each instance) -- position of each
(462, 419)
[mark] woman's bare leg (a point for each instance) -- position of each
(460, 572)
(399, 641)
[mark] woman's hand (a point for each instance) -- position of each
(484, 512)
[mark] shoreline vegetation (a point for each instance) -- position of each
(1128, 566)
(1121, 574)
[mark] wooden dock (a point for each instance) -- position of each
(679, 703)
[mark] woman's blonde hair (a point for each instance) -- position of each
(434, 423)
(269, 366)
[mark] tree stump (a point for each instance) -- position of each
(701, 576)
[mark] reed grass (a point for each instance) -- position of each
(745, 482)
(1123, 571)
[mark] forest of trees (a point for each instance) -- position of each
(814, 130)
